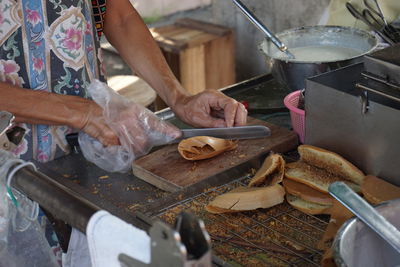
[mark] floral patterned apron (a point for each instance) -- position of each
(53, 46)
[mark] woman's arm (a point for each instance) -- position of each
(127, 32)
(38, 107)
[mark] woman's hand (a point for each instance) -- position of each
(114, 120)
(210, 108)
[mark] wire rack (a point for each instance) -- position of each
(278, 236)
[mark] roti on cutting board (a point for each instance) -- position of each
(169, 171)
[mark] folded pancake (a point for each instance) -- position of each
(331, 162)
(204, 147)
(271, 171)
(306, 193)
(376, 190)
(314, 177)
(247, 198)
(307, 206)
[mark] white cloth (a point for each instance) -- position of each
(109, 236)
(106, 237)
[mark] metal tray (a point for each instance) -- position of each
(279, 236)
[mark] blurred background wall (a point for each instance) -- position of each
(278, 15)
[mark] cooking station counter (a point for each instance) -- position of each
(279, 236)
(123, 193)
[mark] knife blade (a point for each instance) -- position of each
(240, 132)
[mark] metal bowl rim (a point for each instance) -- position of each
(339, 236)
(302, 28)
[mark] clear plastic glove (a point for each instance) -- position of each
(211, 108)
(137, 128)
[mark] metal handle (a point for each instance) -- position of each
(364, 18)
(260, 25)
(377, 12)
(6, 120)
(366, 213)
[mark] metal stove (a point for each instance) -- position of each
(355, 111)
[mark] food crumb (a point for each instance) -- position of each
(133, 206)
(294, 245)
(193, 167)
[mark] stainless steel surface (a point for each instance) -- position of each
(293, 73)
(278, 236)
(362, 127)
(357, 245)
(366, 213)
(385, 64)
(281, 46)
(241, 132)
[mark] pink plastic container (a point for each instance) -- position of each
(297, 115)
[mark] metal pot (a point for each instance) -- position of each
(293, 72)
(357, 245)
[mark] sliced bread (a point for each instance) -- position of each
(331, 162)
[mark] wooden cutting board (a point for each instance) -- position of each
(167, 170)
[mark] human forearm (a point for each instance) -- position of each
(129, 35)
(127, 32)
(38, 107)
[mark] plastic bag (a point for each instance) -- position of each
(138, 130)
(22, 240)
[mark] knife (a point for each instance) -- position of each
(240, 132)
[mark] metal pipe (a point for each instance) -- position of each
(59, 200)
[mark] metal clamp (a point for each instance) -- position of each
(188, 245)
(9, 138)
